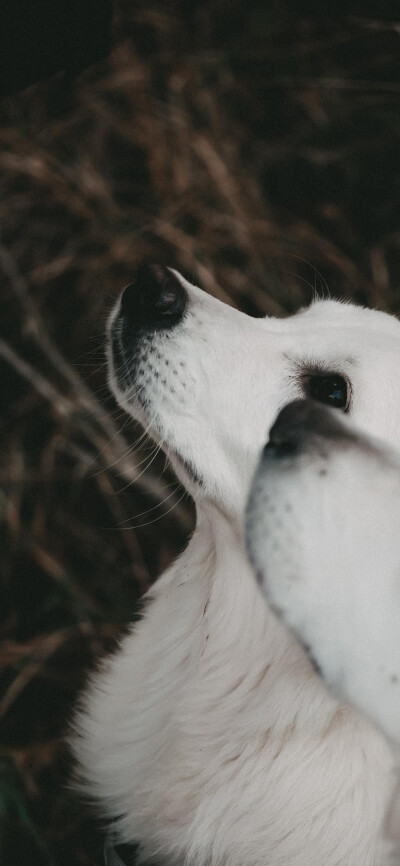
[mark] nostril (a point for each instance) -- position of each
(280, 446)
(168, 303)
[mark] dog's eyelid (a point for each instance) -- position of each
(321, 366)
(304, 368)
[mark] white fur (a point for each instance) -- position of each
(324, 532)
(208, 735)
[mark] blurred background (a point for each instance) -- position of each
(256, 148)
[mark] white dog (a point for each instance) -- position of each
(323, 523)
(323, 529)
(208, 738)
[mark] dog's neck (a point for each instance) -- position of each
(217, 572)
(217, 549)
(218, 530)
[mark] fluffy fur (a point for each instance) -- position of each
(208, 737)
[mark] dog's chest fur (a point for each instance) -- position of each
(211, 740)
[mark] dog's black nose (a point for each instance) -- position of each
(155, 298)
(301, 422)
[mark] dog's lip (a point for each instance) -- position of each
(187, 465)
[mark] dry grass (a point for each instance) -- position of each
(257, 151)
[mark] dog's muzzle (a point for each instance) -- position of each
(153, 303)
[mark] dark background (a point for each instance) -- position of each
(255, 147)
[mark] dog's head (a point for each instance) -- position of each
(207, 380)
(322, 526)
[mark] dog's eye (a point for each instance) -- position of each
(331, 389)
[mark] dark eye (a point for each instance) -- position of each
(331, 389)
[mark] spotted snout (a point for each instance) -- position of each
(154, 302)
